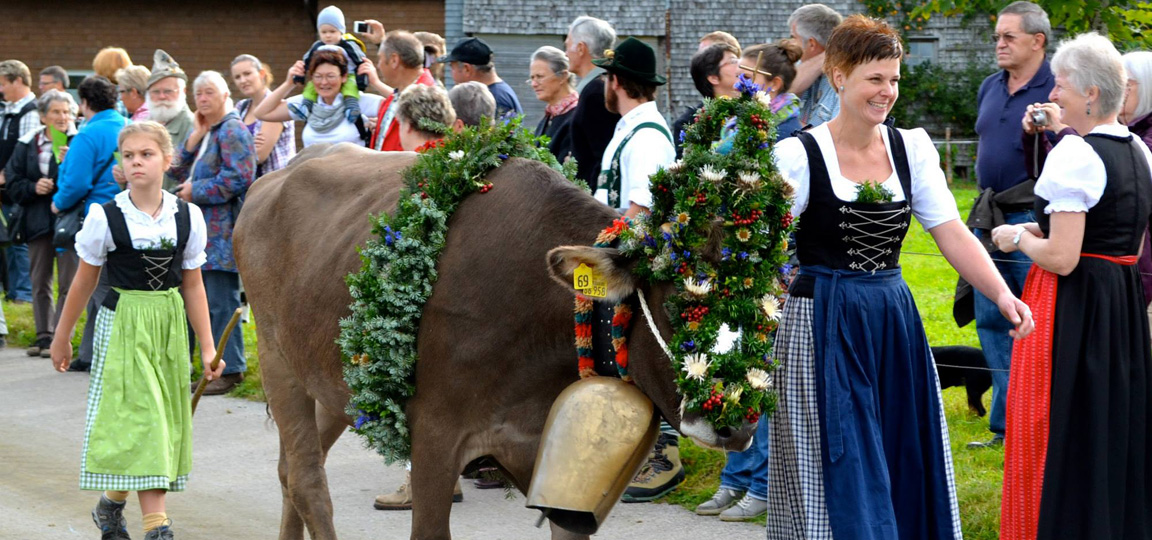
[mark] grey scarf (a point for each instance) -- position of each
(323, 119)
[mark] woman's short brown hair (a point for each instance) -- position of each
(109, 60)
(859, 40)
(325, 56)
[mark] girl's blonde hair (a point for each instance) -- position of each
(150, 129)
(109, 60)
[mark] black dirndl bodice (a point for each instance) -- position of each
(134, 269)
(842, 235)
(1116, 229)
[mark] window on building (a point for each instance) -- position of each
(921, 49)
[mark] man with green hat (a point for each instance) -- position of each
(640, 146)
(167, 102)
(642, 142)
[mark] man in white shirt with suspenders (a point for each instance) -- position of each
(642, 143)
(640, 146)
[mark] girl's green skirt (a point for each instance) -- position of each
(138, 430)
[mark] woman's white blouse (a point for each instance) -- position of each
(932, 202)
(1074, 177)
(94, 240)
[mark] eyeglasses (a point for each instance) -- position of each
(160, 92)
(325, 78)
(1008, 37)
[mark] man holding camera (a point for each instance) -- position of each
(1021, 35)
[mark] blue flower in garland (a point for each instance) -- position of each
(764, 145)
(786, 269)
(725, 254)
(390, 236)
(363, 419)
(667, 236)
(682, 134)
(746, 86)
(743, 256)
(649, 241)
(502, 156)
(672, 255)
(687, 254)
(688, 346)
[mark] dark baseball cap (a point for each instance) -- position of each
(470, 51)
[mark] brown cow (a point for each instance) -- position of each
(496, 339)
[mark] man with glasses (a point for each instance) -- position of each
(167, 102)
(53, 78)
(1022, 31)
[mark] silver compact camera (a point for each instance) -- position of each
(1039, 118)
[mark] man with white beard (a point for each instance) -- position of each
(167, 102)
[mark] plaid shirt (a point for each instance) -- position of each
(30, 122)
(285, 148)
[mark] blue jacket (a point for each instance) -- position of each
(89, 153)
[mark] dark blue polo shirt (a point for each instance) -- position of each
(1000, 152)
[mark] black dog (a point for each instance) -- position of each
(973, 374)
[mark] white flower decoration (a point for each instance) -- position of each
(748, 181)
(675, 166)
(712, 175)
(770, 305)
(696, 366)
(697, 288)
(759, 379)
(456, 155)
(764, 99)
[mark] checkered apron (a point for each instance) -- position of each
(796, 506)
(138, 428)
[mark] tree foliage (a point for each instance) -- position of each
(1127, 22)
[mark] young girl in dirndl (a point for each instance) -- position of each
(138, 430)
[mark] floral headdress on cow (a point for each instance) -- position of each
(719, 230)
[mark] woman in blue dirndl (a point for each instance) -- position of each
(859, 441)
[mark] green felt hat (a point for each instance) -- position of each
(633, 59)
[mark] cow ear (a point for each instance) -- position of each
(614, 267)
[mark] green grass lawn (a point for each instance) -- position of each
(932, 280)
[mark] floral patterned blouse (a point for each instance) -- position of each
(220, 178)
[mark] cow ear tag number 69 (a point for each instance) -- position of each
(589, 282)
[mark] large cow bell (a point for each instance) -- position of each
(599, 432)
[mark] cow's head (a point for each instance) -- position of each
(650, 367)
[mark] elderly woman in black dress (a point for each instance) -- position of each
(1077, 459)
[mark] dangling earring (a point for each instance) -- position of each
(1088, 109)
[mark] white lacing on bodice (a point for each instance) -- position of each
(157, 269)
(876, 233)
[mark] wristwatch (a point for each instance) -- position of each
(1016, 239)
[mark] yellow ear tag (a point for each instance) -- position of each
(589, 282)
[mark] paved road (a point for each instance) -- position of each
(234, 492)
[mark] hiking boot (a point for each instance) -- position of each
(109, 518)
(661, 474)
(223, 385)
(40, 348)
(163, 532)
(996, 442)
(748, 508)
(721, 501)
(401, 499)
